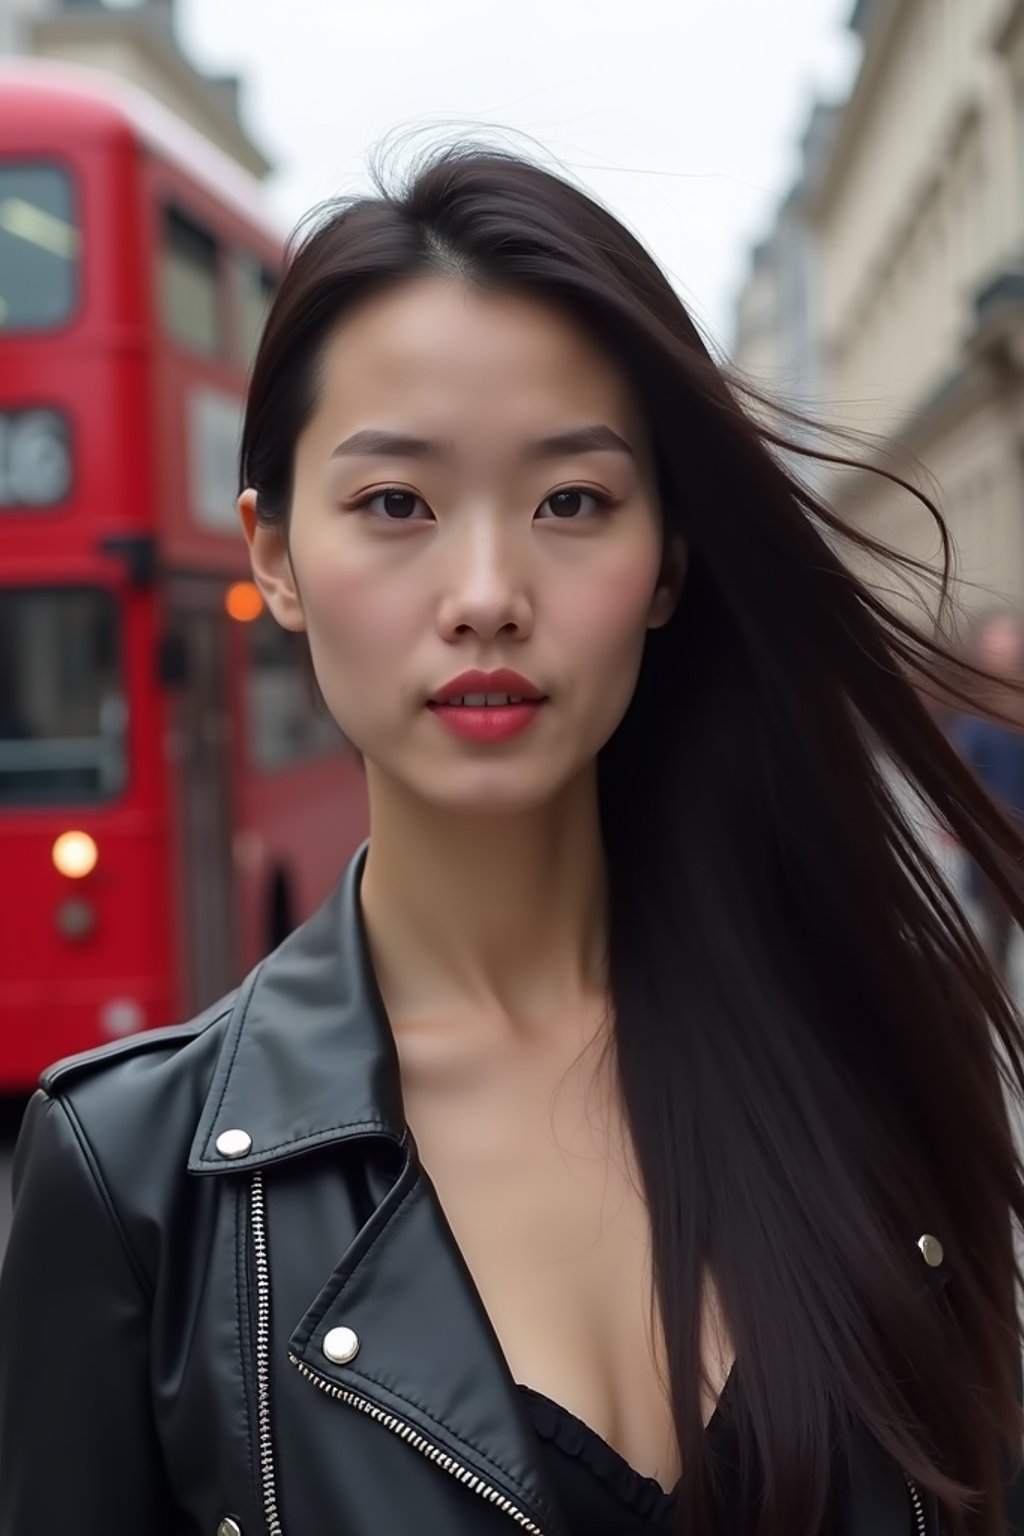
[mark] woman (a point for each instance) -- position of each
(621, 1148)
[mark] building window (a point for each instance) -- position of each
(39, 248)
(189, 287)
(63, 711)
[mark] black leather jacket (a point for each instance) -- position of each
(208, 1221)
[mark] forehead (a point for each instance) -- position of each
(437, 348)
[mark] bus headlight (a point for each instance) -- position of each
(76, 919)
(75, 854)
(122, 1016)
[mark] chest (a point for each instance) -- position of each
(533, 1167)
(419, 1431)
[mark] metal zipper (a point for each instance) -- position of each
(397, 1426)
(449, 1464)
(259, 1240)
(471, 1480)
(419, 1443)
(917, 1504)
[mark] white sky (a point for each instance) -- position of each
(683, 116)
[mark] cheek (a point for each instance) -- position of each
(607, 611)
(356, 629)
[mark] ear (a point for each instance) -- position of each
(271, 565)
(670, 582)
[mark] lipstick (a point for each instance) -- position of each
(487, 706)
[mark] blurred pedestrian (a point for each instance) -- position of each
(995, 750)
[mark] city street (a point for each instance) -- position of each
(706, 324)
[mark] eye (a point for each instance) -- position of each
(568, 505)
(397, 506)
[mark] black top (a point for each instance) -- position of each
(597, 1490)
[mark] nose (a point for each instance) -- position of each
(486, 588)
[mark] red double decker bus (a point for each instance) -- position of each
(172, 799)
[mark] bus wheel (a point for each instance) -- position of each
(280, 919)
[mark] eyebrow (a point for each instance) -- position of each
(372, 441)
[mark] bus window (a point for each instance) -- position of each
(189, 285)
(288, 722)
(38, 248)
(254, 293)
(62, 708)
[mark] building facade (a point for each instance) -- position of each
(777, 318)
(136, 43)
(914, 236)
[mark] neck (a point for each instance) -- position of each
(502, 916)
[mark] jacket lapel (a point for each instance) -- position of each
(309, 1060)
(427, 1354)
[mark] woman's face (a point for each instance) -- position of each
(438, 526)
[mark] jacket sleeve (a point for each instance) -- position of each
(78, 1450)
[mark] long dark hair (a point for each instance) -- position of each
(811, 1044)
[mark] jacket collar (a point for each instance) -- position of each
(308, 1057)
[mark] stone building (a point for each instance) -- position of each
(912, 295)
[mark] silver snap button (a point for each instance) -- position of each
(931, 1250)
(341, 1345)
(234, 1143)
(229, 1527)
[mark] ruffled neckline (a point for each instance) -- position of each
(640, 1494)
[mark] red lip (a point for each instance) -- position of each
(501, 681)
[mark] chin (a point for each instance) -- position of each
(483, 794)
